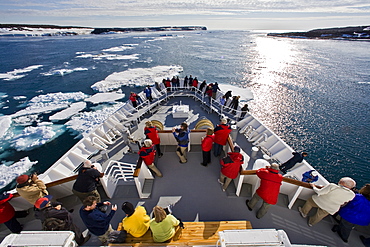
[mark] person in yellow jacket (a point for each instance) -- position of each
(136, 221)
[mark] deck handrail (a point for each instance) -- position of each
(285, 179)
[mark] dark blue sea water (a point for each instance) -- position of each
(312, 93)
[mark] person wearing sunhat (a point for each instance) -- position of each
(136, 221)
(57, 218)
(31, 188)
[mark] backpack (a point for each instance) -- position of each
(54, 224)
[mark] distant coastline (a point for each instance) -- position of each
(53, 30)
(346, 33)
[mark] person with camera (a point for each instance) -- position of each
(182, 137)
(31, 188)
(86, 182)
(95, 220)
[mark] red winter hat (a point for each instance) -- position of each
(41, 202)
(22, 179)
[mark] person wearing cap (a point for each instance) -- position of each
(147, 154)
(207, 142)
(151, 133)
(297, 158)
(268, 190)
(221, 133)
(87, 179)
(328, 199)
(310, 176)
(136, 221)
(95, 220)
(182, 137)
(230, 167)
(49, 210)
(31, 188)
(8, 214)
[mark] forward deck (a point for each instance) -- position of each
(195, 193)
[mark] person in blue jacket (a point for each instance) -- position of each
(356, 212)
(148, 93)
(182, 137)
(95, 220)
(310, 176)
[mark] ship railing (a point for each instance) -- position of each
(114, 173)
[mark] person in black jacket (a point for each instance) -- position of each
(297, 158)
(56, 218)
(86, 181)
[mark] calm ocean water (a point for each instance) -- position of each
(312, 93)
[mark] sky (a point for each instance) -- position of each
(214, 14)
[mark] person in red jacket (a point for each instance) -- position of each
(268, 190)
(222, 132)
(133, 98)
(231, 165)
(207, 142)
(151, 133)
(7, 214)
(147, 154)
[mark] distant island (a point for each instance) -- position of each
(53, 30)
(357, 33)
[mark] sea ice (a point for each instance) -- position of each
(8, 172)
(5, 122)
(63, 72)
(137, 77)
(32, 137)
(69, 112)
(110, 56)
(86, 121)
(245, 93)
(26, 120)
(105, 97)
(118, 48)
(18, 73)
(50, 102)
(19, 97)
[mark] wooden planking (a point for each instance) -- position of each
(195, 233)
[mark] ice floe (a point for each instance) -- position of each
(32, 137)
(18, 73)
(5, 122)
(50, 102)
(26, 120)
(9, 171)
(137, 77)
(119, 48)
(105, 97)
(69, 112)
(21, 97)
(86, 121)
(63, 72)
(110, 56)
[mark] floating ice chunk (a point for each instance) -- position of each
(19, 97)
(8, 172)
(3, 95)
(32, 137)
(138, 77)
(245, 93)
(63, 72)
(86, 121)
(26, 120)
(118, 48)
(18, 73)
(5, 122)
(105, 97)
(50, 102)
(110, 56)
(69, 112)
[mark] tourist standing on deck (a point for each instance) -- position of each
(244, 110)
(133, 99)
(51, 212)
(31, 188)
(207, 142)
(136, 221)
(186, 81)
(235, 104)
(221, 132)
(203, 85)
(215, 89)
(95, 220)
(147, 154)
(86, 182)
(151, 133)
(7, 214)
(163, 226)
(230, 167)
(356, 212)
(297, 158)
(328, 199)
(182, 137)
(195, 83)
(268, 190)
(148, 93)
(190, 81)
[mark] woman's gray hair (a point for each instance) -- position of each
(347, 182)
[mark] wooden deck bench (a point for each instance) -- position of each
(195, 233)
